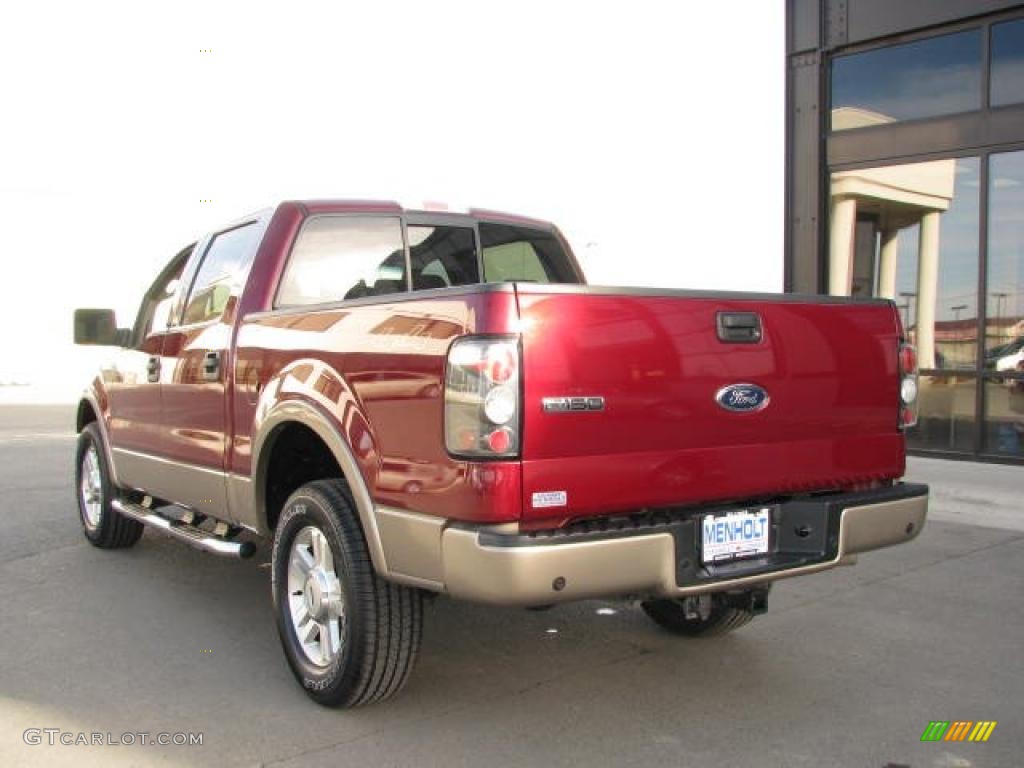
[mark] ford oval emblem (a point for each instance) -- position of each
(742, 398)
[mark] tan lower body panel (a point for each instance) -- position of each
(535, 575)
(412, 547)
(241, 504)
(642, 565)
(881, 525)
(198, 488)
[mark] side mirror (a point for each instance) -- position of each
(99, 327)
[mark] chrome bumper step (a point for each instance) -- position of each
(186, 532)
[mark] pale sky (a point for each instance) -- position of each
(651, 132)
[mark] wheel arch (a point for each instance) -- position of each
(86, 414)
(276, 424)
(89, 412)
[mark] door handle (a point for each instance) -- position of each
(739, 327)
(153, 369)
(211, 366)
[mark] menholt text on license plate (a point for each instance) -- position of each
(735, 534)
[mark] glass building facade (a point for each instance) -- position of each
(918, 164)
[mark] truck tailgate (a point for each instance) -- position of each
(829, 369)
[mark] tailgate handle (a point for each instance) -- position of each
(739, 327)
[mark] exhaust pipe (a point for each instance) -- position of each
(197, 537)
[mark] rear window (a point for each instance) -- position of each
(523, 254)
(442, 256)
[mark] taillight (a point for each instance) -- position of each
(481, 398)
(908, 386)
(908, 359)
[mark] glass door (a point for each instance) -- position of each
(911, 233)
(1004, 321)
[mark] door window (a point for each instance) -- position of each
(158, 304)
(222, 274)
(344, 257)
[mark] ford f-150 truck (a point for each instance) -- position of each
(411, 402)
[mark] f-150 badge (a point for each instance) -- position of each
(572, 404)
(742, 398)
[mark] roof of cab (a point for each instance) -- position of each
(391, 206)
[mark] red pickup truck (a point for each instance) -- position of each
(412, 402)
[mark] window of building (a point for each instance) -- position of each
(1007, 77)
(946, 414)
(222, 273)
(442, 256)
(344, 257)
(910, 233)
(523, 254)
(1004, 415)
(1004, 326)
(926, 78)
(1005, 264)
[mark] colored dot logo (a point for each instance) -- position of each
(958, 730)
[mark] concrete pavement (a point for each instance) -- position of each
(846, 669)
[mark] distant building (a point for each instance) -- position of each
(905, 179)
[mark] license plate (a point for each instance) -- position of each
(743, 533)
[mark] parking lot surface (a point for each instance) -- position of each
(847, 668)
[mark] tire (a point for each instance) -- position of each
(716, 616)
(368, 630)
(102, 525)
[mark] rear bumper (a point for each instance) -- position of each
(660, 557)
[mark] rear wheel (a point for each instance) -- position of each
(701, 616)
(350, 637)
(103, 526)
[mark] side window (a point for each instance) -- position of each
(157, 305)
(442, 256)
(164, 305)
(221, 275)
(514, 261)
(524, 254)
(344, 257)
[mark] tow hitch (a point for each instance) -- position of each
(753, 600)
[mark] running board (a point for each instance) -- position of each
(197, 537)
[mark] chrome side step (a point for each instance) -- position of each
(190, 534)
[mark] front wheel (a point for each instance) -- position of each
(350, 637)
(702, 616)
(103, 526)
